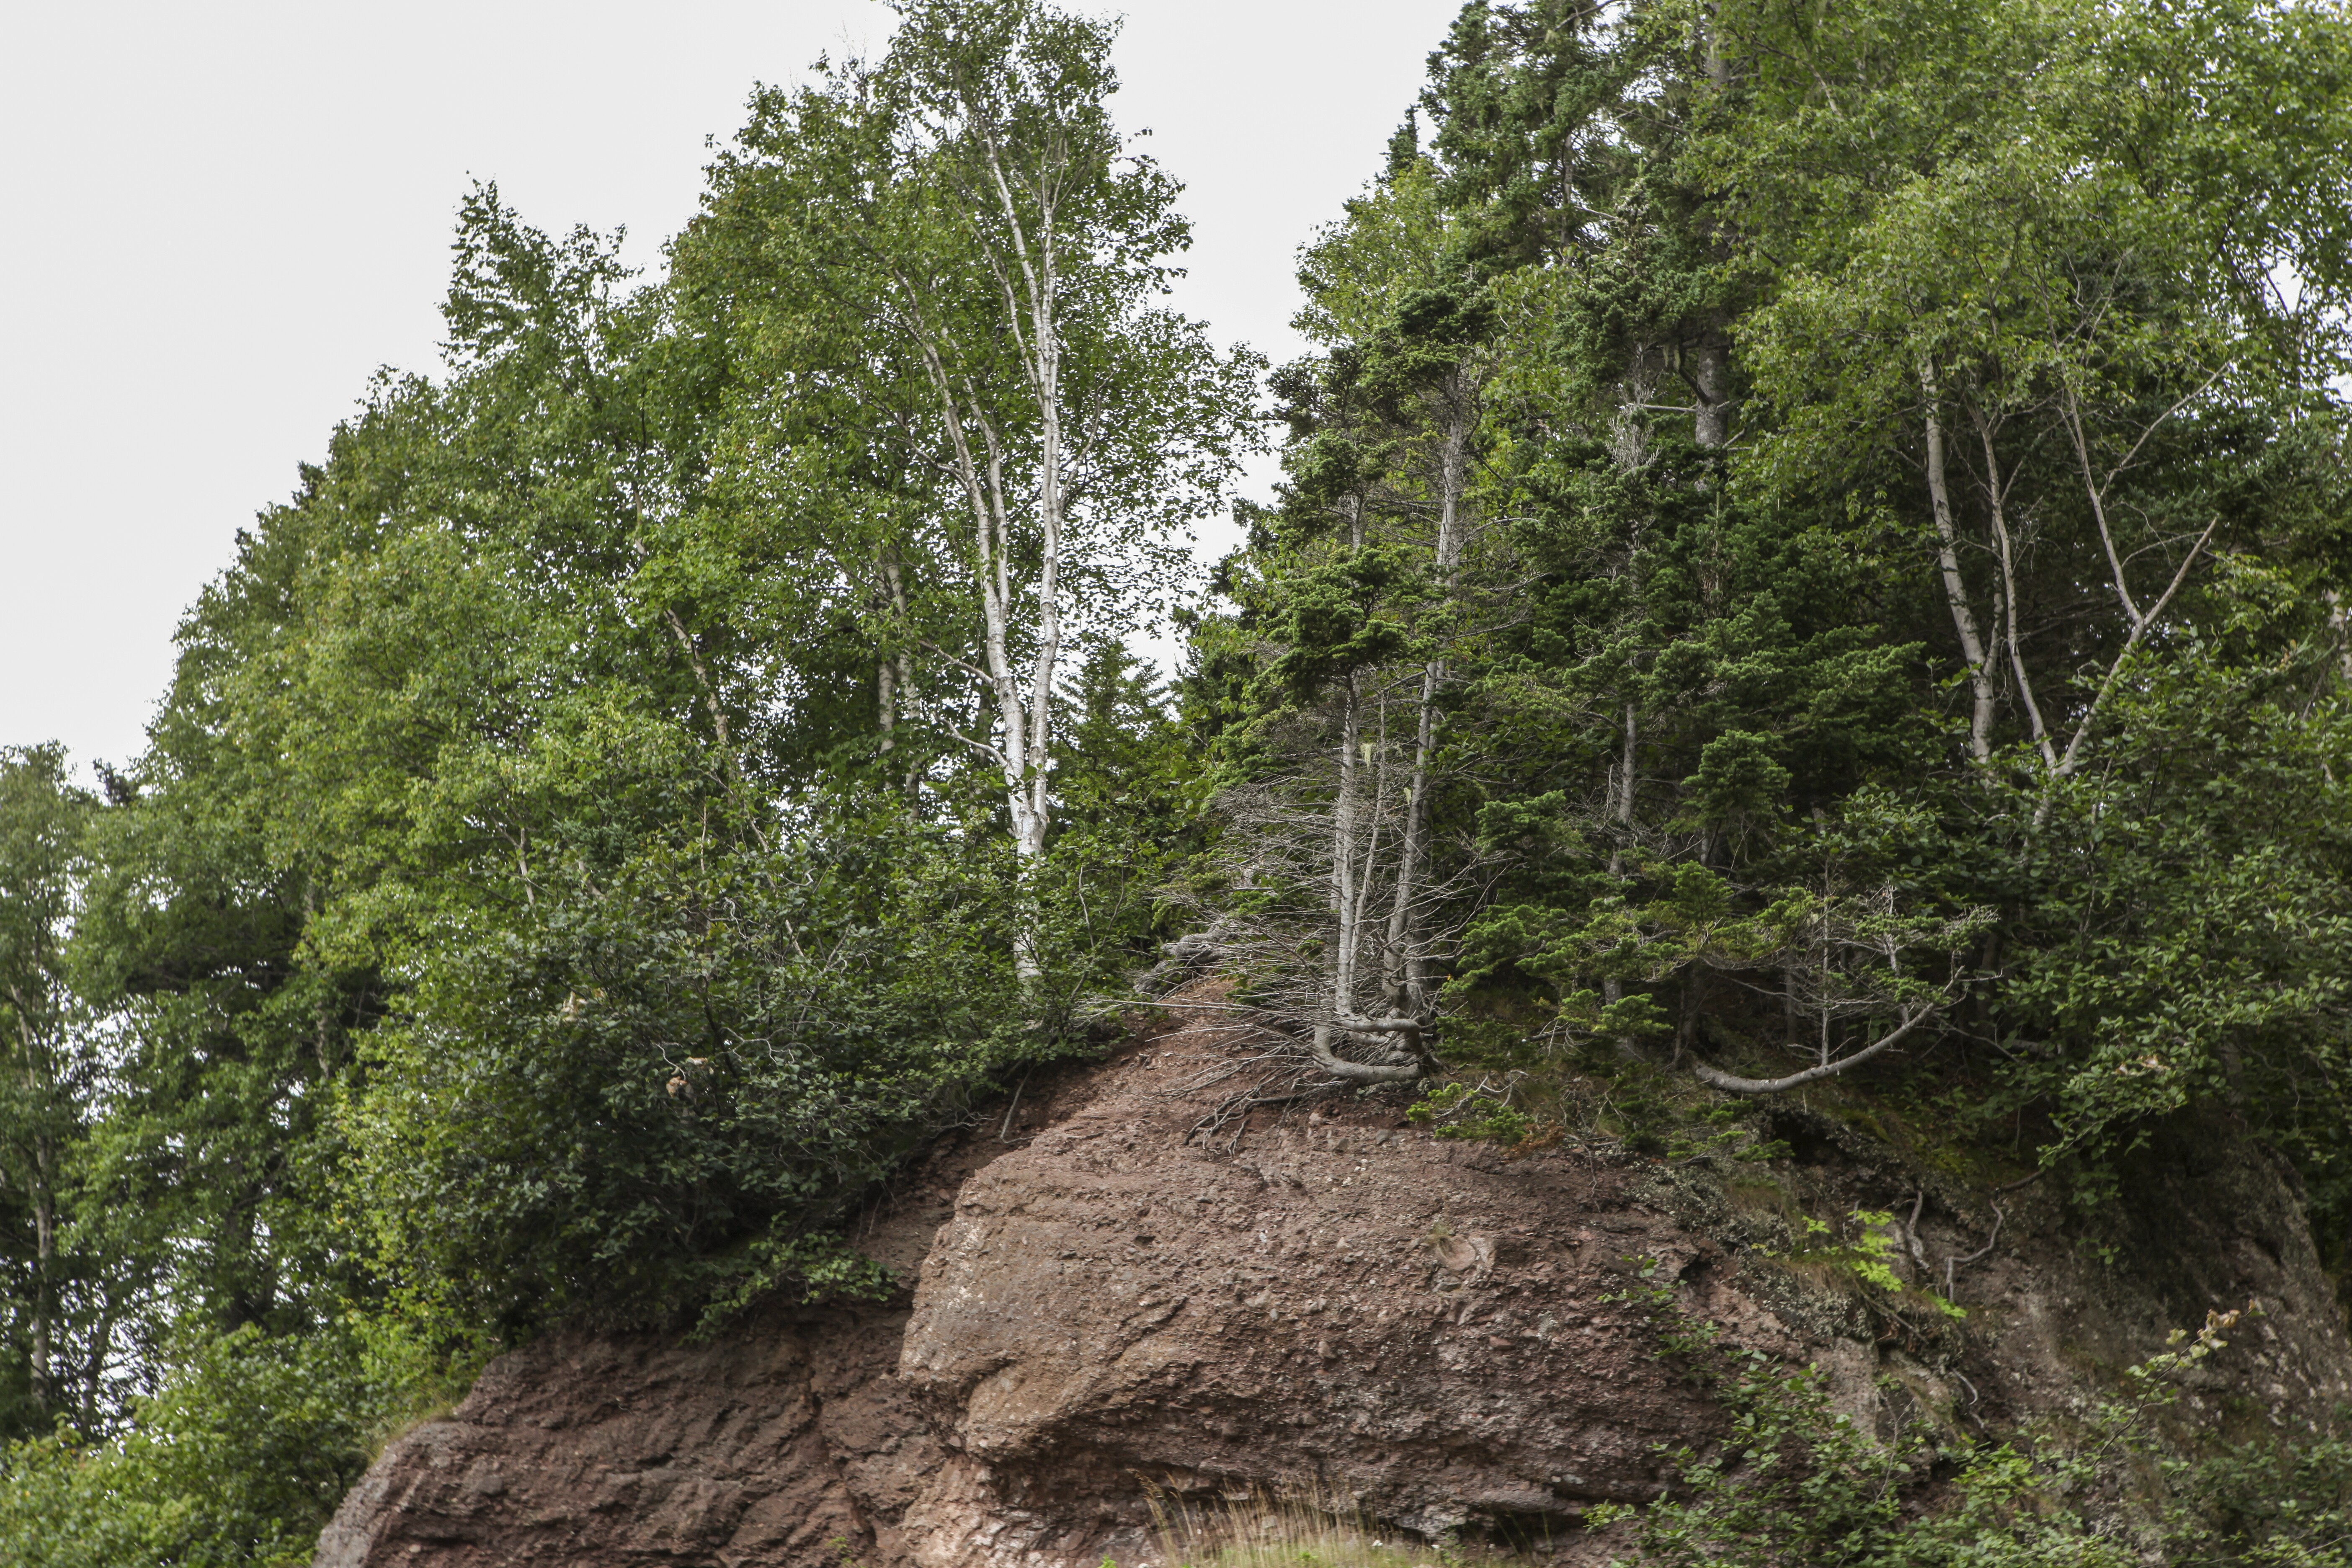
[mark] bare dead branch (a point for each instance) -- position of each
(1731, 1083)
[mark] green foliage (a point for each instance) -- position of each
(62, 1291)
(940, 406)
(236, 1464)
(1866, 1255)
(1794, 1479)
(664, 1081)
(568, 872)
(1901, 600)
(1812, 543)
(1462, 1110)
(2178, 909)
(2276, 1502)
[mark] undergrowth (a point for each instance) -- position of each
(1796, 1481)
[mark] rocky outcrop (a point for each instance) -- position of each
(1145, 1290)
(1420, 1323)
(770, 1447)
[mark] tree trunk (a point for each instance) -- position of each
(1401, 981)
(45, 1249)
(1029, 777)
(41, 1187)
(1997, 510)
(1345, 905)
(1613, 990)
(892, 674)
(1956, 590)
(1711, 380)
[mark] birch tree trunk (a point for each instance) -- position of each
(1997, 509)
(1956, 590)
(1023, 260)
(892, 674)
(1028, 726)
(45, 1293)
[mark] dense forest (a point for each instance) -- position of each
(1812, 554)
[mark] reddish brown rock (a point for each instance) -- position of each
(1340, 1302)
(585, 1448)
(786, 1440)
(1326, 1298)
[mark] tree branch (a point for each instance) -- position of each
(1955, 593)
(1731, 1083)
(2081, 732)
(2097, 489)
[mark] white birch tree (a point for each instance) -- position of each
(968, 200)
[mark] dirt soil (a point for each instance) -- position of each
(1108, 1299)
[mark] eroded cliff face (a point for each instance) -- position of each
(1118, 1300)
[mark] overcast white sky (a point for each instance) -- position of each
(221, 219)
